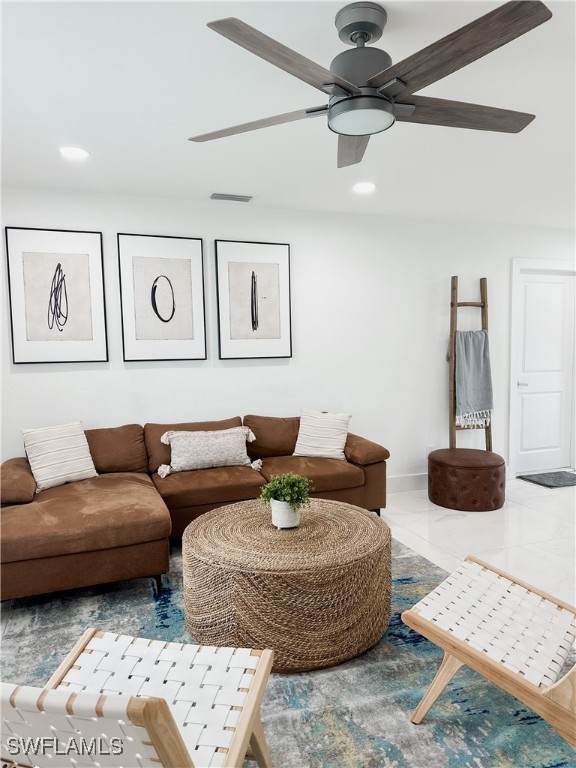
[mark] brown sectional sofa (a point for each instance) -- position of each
(117, 525)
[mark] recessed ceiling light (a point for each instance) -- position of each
(364, 187)
(74, 153)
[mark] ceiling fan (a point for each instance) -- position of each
(368, 93)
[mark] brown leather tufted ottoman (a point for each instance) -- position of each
(466, 479)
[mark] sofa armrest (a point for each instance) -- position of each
(17, 484)
(361, 451)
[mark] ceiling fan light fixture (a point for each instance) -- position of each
(360, 116)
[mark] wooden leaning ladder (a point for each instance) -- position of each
(454, 305)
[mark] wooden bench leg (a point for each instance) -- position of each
(446, 671)
(258, 744)
(562, 717)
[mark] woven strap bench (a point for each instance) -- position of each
(512, 633)
(119, 700)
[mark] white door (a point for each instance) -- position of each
(542, 385)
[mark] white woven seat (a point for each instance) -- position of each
(166, 704)
(516, 635)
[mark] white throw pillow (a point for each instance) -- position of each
(58, 455)
(206, 449)
(322, 434)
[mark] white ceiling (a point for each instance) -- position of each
(131, 81)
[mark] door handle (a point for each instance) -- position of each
(522, 383)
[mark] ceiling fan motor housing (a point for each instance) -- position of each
(358, 65)
(369, 112)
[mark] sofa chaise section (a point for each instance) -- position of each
(111, 527)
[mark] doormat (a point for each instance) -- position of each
(551, 479)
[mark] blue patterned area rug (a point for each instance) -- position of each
(355, 715)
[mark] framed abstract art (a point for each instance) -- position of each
(56, 287)
(253, 288)
(162, 296)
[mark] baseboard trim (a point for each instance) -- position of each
(407, 483)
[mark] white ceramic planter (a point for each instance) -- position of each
(283, 516)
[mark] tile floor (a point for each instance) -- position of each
(532, 536)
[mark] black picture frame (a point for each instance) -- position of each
(162, 297)
(254, 299)
(56, 295)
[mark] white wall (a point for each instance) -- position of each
(370, 315)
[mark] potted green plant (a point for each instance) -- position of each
(287, 494)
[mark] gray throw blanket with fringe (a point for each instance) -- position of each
(473, 379)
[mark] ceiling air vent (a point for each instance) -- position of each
(233, 198)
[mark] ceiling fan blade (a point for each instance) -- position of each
(279, 55)
(464, 46)
(351, 149)
(287, 117)
(461, 114)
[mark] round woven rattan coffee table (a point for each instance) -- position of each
(317, 595)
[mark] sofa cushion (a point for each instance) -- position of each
(205, 449)
(158, 453)
(58, 455)
(103, 512)
(322, 434)
(275, 436)
(17, 484)
(326, 474)
(118, 449)
(207, 486)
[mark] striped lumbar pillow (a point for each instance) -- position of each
(322, 434)
(58, 455)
